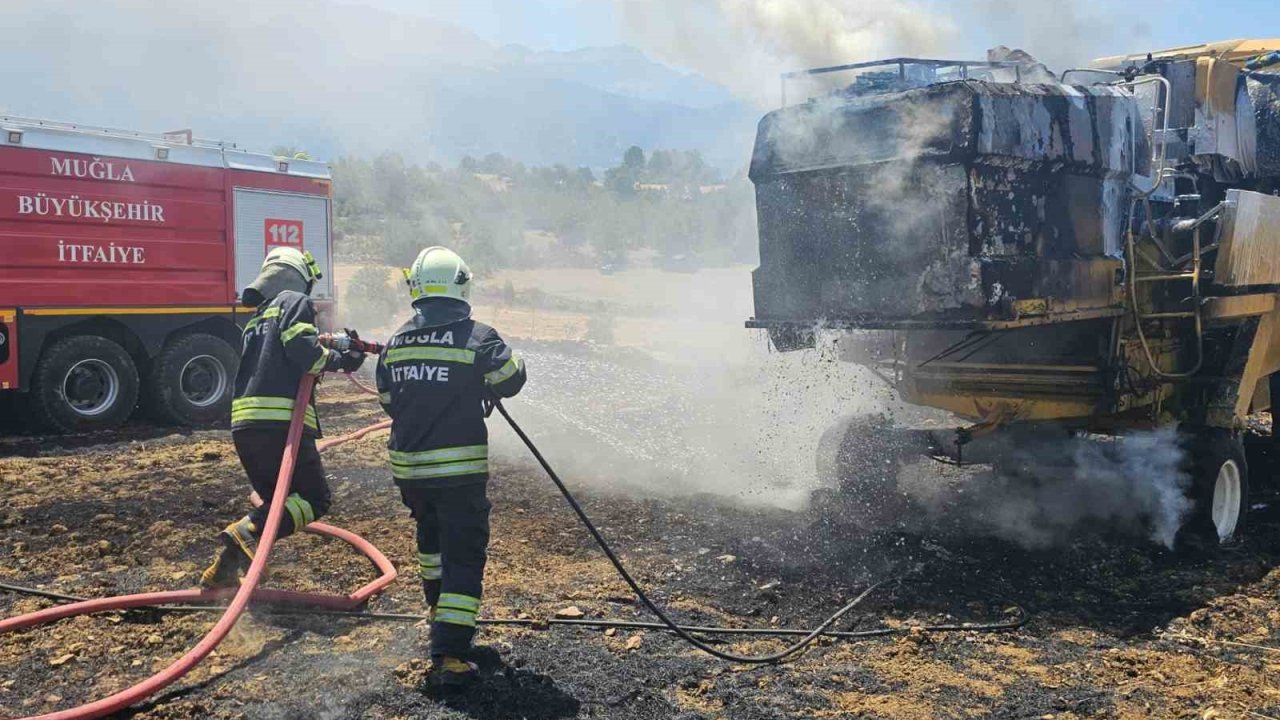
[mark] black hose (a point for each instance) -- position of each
(682, 631)
(679, 630)
(24, 590)
(1013, 624)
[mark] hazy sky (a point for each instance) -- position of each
(568, 24)
(540, 24)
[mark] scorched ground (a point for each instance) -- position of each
(1117, 630)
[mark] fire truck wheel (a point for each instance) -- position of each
(191, 381)
(1219, 489)
(84, 382)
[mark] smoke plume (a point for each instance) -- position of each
(745, 44)
(1050, 490)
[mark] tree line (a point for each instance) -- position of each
(500, 213)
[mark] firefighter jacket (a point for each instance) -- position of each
(281, 344)
(433, 378)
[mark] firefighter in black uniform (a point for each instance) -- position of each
(281, 344)
(433, 379)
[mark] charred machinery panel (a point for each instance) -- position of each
(950, 201)
(1249, 251)
(1264, 93)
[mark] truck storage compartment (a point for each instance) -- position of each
(266, 219)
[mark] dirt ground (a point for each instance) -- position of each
(1116, 630)
(1118, 627)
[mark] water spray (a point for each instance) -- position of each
(346, 607)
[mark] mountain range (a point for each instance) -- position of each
(337, 79)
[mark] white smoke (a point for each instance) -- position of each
(1055, 488)
(745, 44)
(821, 31)
(1066, 33)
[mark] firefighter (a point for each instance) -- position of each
(434, 378)
(281, 345)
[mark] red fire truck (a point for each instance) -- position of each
(122, 256)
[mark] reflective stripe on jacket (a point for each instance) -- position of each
(280, 345)
(432, 380)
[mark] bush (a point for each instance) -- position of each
(370, 301)
(600, 328)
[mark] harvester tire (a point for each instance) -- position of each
(84, 383)
(858, 463)
(192, 380)
(1219, 490)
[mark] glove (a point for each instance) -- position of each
(488, 400)
(351, 359)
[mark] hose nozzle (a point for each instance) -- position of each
(349, 341)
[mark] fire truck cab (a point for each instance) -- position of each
(122, 256)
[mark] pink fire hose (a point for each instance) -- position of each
(240, 596)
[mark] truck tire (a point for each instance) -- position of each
(192, 380)
(1219, 490)
(83, 383)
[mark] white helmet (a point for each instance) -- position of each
(439, 272)
(303, 262)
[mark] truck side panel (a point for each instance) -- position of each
(82, 230)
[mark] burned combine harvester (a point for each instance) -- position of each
(1098, 251)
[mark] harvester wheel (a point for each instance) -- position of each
(1219, 487)
(858, 462)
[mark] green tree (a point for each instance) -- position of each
(633, 159)
(387, 209)
(370, 301)
(660, 166)
(404, 238)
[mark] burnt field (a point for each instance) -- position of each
(1117, 628)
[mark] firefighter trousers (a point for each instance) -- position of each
(453, 543)
(260, 451)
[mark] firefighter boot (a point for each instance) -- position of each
(239, 544)
(241, 534)
(451, 672)
(225, 570)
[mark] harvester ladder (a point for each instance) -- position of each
(1193, 314)
(1194, 274)
(1159, 143)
